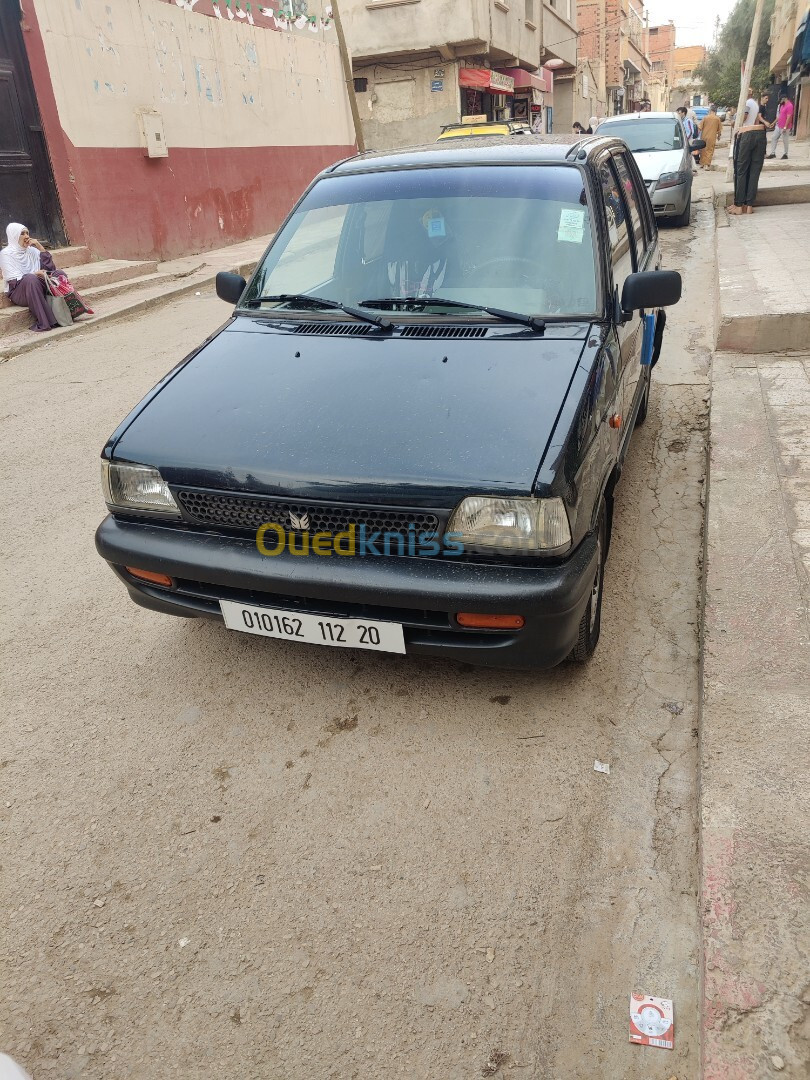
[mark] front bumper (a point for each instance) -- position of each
(421, 594)
(670, 201)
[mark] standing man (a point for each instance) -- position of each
(784, 122)
(750, 145)
(710, 130)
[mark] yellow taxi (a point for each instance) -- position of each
(491, 127)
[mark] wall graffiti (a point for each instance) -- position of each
(283, 15)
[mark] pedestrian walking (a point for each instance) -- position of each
(784, 122)
(750, 145)
(710, 129)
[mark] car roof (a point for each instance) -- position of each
(638, 116)
(509, 150)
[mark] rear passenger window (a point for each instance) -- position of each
(636, 211)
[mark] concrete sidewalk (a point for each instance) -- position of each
(755, 724)
(763, 295)
(755, 727)
(171, 279)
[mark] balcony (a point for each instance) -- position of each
(559, 31)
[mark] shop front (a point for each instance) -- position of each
(533, 97)
(485, 92)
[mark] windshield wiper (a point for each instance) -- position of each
(305, 300)
(536, 324)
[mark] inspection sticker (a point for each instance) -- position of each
(572, 226)
(652, 1021)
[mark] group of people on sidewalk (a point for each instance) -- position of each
(751, 144)
(26, 266)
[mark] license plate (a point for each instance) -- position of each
(313, 629)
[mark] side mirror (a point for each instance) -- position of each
(230, 286)
(696, 144)
(651, 289)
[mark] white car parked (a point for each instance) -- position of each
(659, 144)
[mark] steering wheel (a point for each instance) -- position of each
(532, 269)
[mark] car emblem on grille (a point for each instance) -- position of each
(299, 521)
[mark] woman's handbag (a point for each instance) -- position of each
(60, 289)
(60, 309)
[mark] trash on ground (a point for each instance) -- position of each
(652, 1021)
(490, 955)
(674, 707)
(601, 766)
(183, 942)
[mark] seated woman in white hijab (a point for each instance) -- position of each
(24, 263)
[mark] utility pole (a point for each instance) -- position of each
(348, 75)
(746, 82)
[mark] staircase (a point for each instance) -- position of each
(94, 281)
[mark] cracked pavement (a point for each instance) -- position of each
(226, 856)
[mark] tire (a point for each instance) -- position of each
(683, 219)
(641, 415)
(591, 621)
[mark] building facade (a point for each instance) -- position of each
(662, 65)
(790, 57)
(615, 32)
(687, 88)
(155, 128)
(422, 64)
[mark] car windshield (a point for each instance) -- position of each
(660, 133)
(510, 237)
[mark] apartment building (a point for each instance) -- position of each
(662, 65)
(687, 88)
(615, 32)
(790, 57)
(421, 64)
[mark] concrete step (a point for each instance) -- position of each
(14, 319)
(764, 289)
(174, 279)
(70, 256)
(88, 276)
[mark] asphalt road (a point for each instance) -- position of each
(230, 857)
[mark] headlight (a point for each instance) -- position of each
(671, 179)
(136, 487)
(512, 526)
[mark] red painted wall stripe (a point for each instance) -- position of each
(195, 199)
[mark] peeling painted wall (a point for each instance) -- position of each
(252, 100)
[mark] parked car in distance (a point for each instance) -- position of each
(659, 145)
(700, 111)
(495, 128)
(407, 436)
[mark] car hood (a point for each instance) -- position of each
(377, 418)
(651, 165)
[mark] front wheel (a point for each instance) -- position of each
(591, 621)
(684, 218)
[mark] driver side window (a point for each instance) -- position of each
(621, 256)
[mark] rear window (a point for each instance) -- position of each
(515, 237)
(661, 133)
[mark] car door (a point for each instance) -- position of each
(635, 202)
(622, 256)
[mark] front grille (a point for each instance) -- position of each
(249, 512)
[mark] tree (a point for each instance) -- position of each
(720, 72)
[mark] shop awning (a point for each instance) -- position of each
(529, 81)
(486, 79)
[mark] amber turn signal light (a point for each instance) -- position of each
(150, 576)
(490, 622)
(615, 421)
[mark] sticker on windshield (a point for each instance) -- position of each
(435, 227)
(572, 226)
